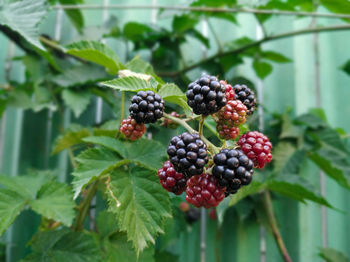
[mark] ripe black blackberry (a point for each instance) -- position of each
(233, 169)
(206, 95)
(247, 96)
(188, 154)
(146, 107)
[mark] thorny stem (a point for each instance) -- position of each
(85, 206)
(254, 44)
(273, 223)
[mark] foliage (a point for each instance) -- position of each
(136, 211)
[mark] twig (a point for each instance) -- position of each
(256, 43)
(122, 105)
(273, 223)
(204, 9)
(201, 123)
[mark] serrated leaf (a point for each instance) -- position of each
(147, 153)
(72, 136)
(59, 245)
(130, 83)
(346, 67)
(296, 187)
(75, 15)
(274, 56)
(254, 187)
(289, 129)
(79, 75)
(310, 120)
(138, 65)
(106, 223)
(172, 93)
(97, 53)
(78, 101)
(330, 140)
(55, 201)
(287, 158)
(332, 255)
(24, 17)
(93, 163)
(11, 204)
(262, 69)
(142, 204)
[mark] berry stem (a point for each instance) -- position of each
(266, 198)
(122, 106)
(201, 123)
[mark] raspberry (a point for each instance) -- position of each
(204, 191)
(233, 114)
(257, 147)
(192, 215)
(188, 154)
(230, 93)
(206, 95)
(226, 132)
(169, 123)
(233, 169)
(171, 180)
(131, 129)
(247, 96)
(146, 107)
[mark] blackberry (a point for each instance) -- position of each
(230, 93)
(188, 154)
(146, 107)
(227, 132)
(233, 114)
(247, 96)
(233, 169)
(206, 95)
(170, 180)
(131, 129)
(204, 191)
(192, 215)
(257, 147)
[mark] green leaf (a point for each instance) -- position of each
(289, 129)
(346, 67)
(274, 56)
(93, 163)
(79, 75)
(11, 204)
(98, 53)
(55, 201)
(142, 204)
(329, 139)
(254, 187)
(106, 223)
(139, 65)
(172, 93)
(24, 17)
(144, 152)
(78, 101)
(72, 136)
(75, 15)
(184, 22)
(262, 69)
(332, 255)
(310, 120)
(60, 245)
(287, 159)
(136, 31)
(130, 83)
(296, 187)
(337, 6)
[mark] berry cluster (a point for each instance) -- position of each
(206, 95)
(131, 129)
(146, 107)
(247, 96)
(227, 132)
(204, 191)
(233, 114)
(257, 147)
(188, 154)
(230, 93)
(171, 180)
(233, 169)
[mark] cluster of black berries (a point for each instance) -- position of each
(206, 95)
(188, 154)
(146, 107)
(233, 169)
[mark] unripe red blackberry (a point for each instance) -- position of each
(257, 147)
(204, 191)
(188, 154)
(233, 169)
(247, 96)
(146, 107)
(230, 93)
(206, 95)
(171, 180)
(226, 132)
(168, 123)
(131, 129)
(233, 114)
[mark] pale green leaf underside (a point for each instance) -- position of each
(143, 204)
(130, 83)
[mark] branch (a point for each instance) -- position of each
(204, 10)
(256, 43)
(273, 223)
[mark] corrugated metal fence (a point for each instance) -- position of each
(303, 84)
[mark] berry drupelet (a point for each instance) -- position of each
(171, 180)
(131, 129)
(247, 96)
